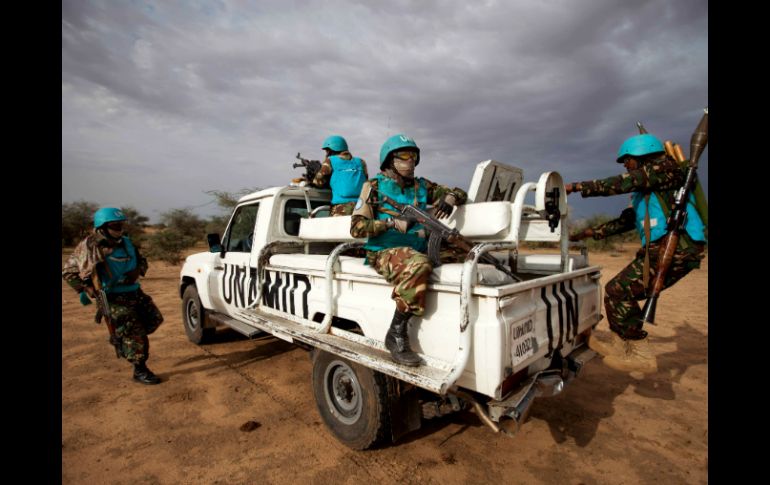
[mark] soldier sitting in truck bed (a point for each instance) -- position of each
(395, 248)
(343, 172)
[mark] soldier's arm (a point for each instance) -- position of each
(75, 271)
(664, 174)
(363, 164)
(436, 193)
(141, 262)
(70, 275)
(321, 178)
(363, 224)
(624, 223)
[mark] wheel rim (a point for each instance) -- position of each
(192, 314)
(342, 392)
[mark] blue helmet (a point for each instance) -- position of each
(335, 143)
(108, 214)
(394, 143)
(640, 145)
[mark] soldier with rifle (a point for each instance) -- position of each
(673, 238)
(106, 266)
(397, 243)
(340, 171)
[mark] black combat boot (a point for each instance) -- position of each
(397, 340)
(144, 375)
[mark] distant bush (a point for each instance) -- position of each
(179, 229)
(136, 224)
(167, 245)
(226, 202)
(217, 224)
(539, 245)
(77, 220)
(185, 223)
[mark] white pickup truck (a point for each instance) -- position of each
(487, 341)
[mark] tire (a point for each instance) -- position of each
(193, 317)
(352, 400)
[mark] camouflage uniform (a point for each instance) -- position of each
(664, 176)
(321, 180)
(134, 314)
(407, 269)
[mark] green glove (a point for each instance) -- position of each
(84, 300)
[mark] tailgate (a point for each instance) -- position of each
(549, 315)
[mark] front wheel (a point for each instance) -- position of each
(352, 400)
(193, 316)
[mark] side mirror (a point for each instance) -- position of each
(215, 244)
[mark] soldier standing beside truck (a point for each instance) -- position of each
(396, 247)
(343, 172)
(106, 266)
(653, 178)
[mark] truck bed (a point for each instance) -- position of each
(357, 348)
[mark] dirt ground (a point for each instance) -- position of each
(606, 427)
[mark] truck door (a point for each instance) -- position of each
(232, 284)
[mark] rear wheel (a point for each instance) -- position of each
(352, 400)
(193, 316)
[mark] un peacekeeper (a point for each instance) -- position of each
(395, 247)
(343, 172)
(108, 254)
(653, 178)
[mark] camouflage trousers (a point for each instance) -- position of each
(344, 209)
(408, 270)
(626, 288)
(134, 316)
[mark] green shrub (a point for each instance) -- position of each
(168, 244)
(185, 223)
(77, 220)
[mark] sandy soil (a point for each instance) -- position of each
(198, 426)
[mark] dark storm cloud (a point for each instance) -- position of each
(221, 95)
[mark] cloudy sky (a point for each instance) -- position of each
(162, 101)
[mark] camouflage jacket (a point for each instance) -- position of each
(662, 175)
(361, 226)
(624, 223)
(322, 177)
(81, 264)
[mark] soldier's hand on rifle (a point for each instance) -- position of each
(400, 225)
(581, 235)
(131, 276)
(88, 288)
(445, 206)
(573, 187)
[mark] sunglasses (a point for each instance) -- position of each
(405, 155)
(115, 226)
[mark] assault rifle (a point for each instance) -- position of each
(676, 219)
(311, 167)
(437, 232)
(103, 310)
